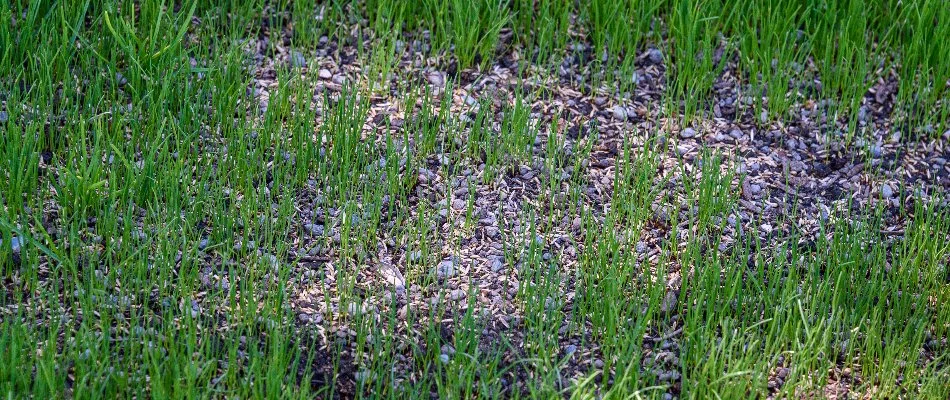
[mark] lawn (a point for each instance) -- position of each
(595, 199)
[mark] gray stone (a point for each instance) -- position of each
(688, 133)
(619, 112)
(446, 268)
(14, 244)
(314, 229)
(641, 247)
(654, 56)
(887, 191)
(297, 60)
(570, 349)
(325, 74)
(497, 264)
(435, 78)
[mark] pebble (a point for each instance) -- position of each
(570, 349)
(297, 60)
(620, 113)
(688, 133)
(576, 223)
(203, 244)
(654, 56)
(598, 363)
(887, 191)
(641, 247)
(14, 244)
(325, 74)
(669, 302)
(446, 268)
(497, 264)
(876, 151)
(314, 229)
(669, 376)
(4, 117)
(435, 78)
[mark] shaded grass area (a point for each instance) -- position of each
(155, 204)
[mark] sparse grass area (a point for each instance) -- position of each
(474, 199)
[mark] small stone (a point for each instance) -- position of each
(3, 117)
(654, 56)
(15, 244)
(783, 373)
(325, 74)
(203, 244)
(887, 191)
(297, 60)
(576, 223)
(497, 264)
(641, 247)
(271, 260)
(446, 268)
(876, 151)
(688, 133)
(669, 376)
(570, 349)
(458, 204)
(669, 302)
(619, 112)
(314, 229)
(444, 358)
(435, 78)
(598, 363)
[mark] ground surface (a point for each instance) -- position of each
(264, 214)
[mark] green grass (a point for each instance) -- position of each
(161, 209)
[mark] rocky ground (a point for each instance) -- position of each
(790, 176)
